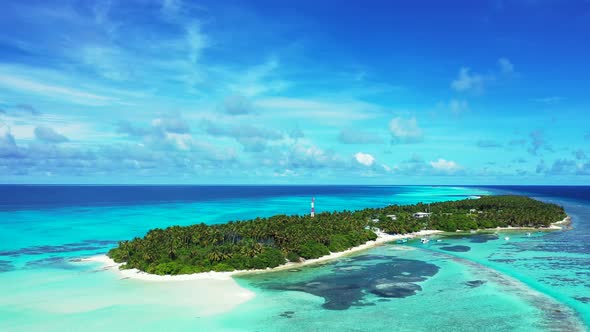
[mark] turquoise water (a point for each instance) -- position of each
(537, 283)
(450, 299)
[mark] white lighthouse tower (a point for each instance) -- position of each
(312, 207)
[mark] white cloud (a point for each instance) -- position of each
(364, 158)
(319, 109)
(196, 42)
(180, 141)
(108, 62)
(311, 151)
(549, 100)
(358, 136)
(285, 173)
(5, 129)
(304, 155)
(47, 134)
(257, 80)
(405, 130)
(505, 66)
(74, 95)
(468, 81)
(172, 123)
(236, 105)
(458, 106)
(446, 166)
(69, 126)
(8, 147)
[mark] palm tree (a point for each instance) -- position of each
(215, 256)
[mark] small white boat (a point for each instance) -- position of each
(528, 234)
(507, 238)
(438, 240)
(424, 240)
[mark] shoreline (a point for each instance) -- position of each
(382, 238)
(555, 226)
(136, 274)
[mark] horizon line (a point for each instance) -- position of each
(286, 185)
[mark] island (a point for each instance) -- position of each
(264, 243)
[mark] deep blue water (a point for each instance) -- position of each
(43, 227)
(49, 196)
(14, 197)
(578, 193)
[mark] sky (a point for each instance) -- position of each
(295, 92)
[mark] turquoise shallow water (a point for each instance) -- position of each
(538, 283)
(460, 296)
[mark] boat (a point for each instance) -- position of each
(507, 238)
(424, 240)
(528, 234)
(438, 240)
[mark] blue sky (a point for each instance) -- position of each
(375, 92)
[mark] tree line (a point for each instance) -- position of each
(269, 242)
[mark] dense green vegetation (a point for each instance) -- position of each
(268, 242)
(486, 212)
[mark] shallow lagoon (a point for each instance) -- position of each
(527, 283)
(414, 289)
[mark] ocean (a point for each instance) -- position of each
(539, 282)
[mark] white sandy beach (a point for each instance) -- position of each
(211, 293)
(556, 226)
(108, 263)
(227, 276)
(216, 292)
(204, 293)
